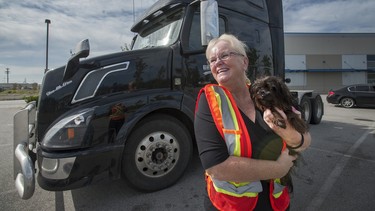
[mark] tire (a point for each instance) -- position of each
(157, 153)
(306, 109)
(347, 102)
(317, 109)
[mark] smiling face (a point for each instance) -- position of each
(227, 65)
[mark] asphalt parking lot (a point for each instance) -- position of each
(337, 173)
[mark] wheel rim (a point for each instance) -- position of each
(306, 110)
(157, 154)
(347, 102)
(319, 108)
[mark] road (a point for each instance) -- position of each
(338, 173)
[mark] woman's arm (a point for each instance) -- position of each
(241, 169)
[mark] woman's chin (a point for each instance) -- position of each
(222, 79)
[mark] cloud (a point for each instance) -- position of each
(107, 25)
(337, 16)
(23, 31)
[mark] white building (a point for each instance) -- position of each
(324, 61)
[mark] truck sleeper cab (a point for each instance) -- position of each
(130, 114)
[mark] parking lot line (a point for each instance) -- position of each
(322, 194)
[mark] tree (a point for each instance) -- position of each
(126, 47)
(34, 86)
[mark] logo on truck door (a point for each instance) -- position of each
(59, 87)
(92, 81)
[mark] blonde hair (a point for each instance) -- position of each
(237, 45)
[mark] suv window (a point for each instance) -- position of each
(362, 89)
(351, 88)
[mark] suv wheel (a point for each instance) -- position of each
(347, 102)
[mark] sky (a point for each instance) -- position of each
(23, 31)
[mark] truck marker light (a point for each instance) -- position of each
(70, 133)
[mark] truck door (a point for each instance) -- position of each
(251, 28)
(197, 70)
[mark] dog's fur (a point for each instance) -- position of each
(271, 92)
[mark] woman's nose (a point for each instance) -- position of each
(217, 61)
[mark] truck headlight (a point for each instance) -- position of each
(70, 132)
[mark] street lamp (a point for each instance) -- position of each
(7, 72)
(47, 21)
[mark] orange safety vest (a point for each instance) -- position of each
(226, 195)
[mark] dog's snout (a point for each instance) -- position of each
(263, 93)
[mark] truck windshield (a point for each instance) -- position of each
(161, 31)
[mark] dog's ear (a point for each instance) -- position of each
(256, 85)
(284, 91)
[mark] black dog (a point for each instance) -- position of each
(270, 92)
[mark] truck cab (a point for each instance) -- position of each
(130, 114)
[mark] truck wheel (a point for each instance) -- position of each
(347, 102)
(306, 109)
(157, 153)
(317, 109)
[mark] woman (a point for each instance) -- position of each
(242, 151)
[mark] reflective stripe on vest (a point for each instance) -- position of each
(277, 188)
(225, 116)
(238, 143)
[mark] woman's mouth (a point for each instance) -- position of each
(222, 70)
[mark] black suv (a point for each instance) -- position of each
(353, 95)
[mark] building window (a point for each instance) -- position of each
(371, 69)
(371, 77)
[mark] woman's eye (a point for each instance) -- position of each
(224, 56)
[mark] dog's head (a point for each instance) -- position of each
(271, 91)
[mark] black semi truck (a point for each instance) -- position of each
(130, 114)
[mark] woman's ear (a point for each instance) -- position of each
(246, 63)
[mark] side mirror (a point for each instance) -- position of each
(209, 21)
(287, 80)
(82, 51)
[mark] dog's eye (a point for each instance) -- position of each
(274, 88)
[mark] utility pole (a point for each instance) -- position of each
(47, 21)
(133, 13)
(7, 72)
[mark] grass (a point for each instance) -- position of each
(27, 95)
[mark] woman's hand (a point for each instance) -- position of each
(296, 111)
(268, 117)
(289, 134)
(286, 162)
